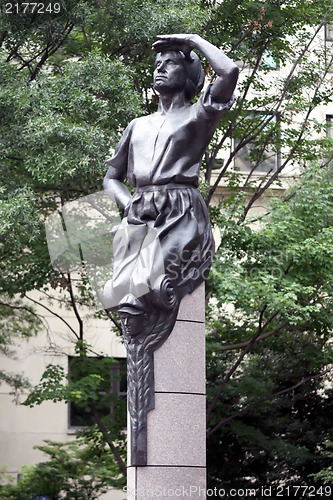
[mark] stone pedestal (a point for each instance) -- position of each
(176, 461)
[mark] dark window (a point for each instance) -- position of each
(114, 375)
(329, 45)
(329, 32)
(329, 126)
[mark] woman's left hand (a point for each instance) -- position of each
(183, 42)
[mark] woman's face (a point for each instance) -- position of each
(170, 74)
(131, 325)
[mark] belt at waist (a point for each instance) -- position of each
(163, 187)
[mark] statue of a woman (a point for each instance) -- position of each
(160, 155)
(163, 248)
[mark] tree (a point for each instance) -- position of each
(67, 92)
(326, 475)
(81, 469)
(71, 81)
(270, 381)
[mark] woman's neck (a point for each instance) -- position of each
(170, 102)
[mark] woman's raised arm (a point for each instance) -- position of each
(225, 68)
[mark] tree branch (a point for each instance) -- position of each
(76, 311)
(2, 38)
(103, 430)
(53, 313)
(276, 174)
(14, 158)
(24, 308)
(217, 148)
(290, 196)
(239, 360)
(261, 401)
(261, 337)
(51, 49)
(276, 110)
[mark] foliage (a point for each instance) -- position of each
(273, 300)
(87, 379)
(17, 321)
(87, 386)
(81, 469)
(285, 263)
(70, 82)
(326, 475)
(272, 122)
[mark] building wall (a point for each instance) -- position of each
(21, 427)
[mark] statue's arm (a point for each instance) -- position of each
(115, 189)
(113, 181)
(226, 70)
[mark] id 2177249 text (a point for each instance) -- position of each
(31, 8)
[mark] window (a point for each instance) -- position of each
(269, 60)
(329, 32)
(259, 154)
(114, 383)
(329, 45)
(329, 126)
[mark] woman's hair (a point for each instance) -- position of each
(195, 75)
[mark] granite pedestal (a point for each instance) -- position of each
(176, 461)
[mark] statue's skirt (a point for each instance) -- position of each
(165, 231)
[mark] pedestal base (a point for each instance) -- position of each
(176, 459)
(166, 482)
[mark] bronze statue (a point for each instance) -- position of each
(164, 245)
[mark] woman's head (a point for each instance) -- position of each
(175, 71)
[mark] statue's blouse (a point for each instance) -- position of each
(162, 148)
